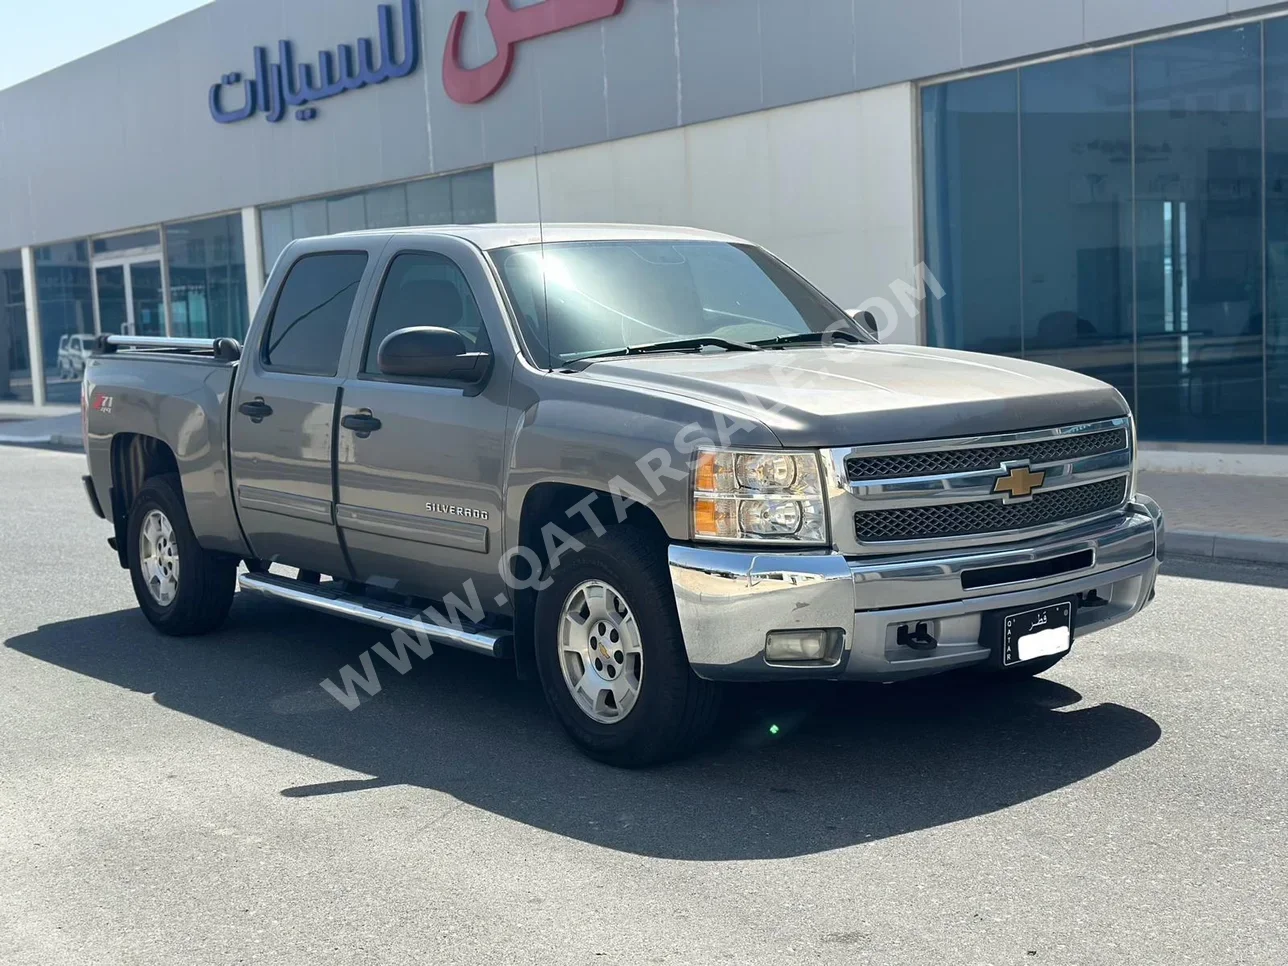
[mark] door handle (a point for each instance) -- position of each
(362, 423)
(256, 409)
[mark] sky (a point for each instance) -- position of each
(39, 35)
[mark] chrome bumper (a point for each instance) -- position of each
(729, 600)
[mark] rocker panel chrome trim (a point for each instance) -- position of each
(490, 643)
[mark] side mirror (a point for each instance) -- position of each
(430, 352)
(867, 321)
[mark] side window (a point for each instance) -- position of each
(422, 288)
(307, 329)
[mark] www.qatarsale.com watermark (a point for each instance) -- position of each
(655, 471)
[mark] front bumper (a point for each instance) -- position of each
(729, 600)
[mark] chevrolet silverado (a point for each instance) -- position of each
(638, 462)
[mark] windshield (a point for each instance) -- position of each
(604, 296)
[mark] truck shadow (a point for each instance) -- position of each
(846, 764)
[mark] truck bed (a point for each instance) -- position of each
(171, 390)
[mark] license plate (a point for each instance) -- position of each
(1041, 632)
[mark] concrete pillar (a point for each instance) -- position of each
(35, 351)
(6, 340)
(253, 248)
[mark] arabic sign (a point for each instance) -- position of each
(286, 84)
(511, 27)
(275, 87)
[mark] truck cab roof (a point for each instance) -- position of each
(493, 236)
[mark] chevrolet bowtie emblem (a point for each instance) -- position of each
(1019, 483)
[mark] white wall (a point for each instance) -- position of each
(829, 186)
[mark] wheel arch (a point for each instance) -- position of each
(135, 459)
(554, 503)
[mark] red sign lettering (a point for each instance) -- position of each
(510, 27)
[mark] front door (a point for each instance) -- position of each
(420, 497)
(147, 303)
(282, 423)
(113, 305)
(130, 295)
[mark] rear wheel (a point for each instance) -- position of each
(611, 655)
(181, 588)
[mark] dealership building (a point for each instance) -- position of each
(1096, 184)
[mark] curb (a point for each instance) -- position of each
(61, 441)
(1227, 546)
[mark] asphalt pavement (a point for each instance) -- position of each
(204, 801)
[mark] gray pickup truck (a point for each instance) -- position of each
(638, 462)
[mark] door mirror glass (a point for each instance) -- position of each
(430, 352)
(867, 321)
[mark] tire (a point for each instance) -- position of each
(202, 590)
(673, 710)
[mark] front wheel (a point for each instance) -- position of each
(611, 656)
(181, 588)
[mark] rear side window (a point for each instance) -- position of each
(307, 329)
(423, 288)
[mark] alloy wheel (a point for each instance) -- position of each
(159, 557)
(600, 651)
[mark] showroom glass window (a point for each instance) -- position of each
(1138, 252)
(1276, 334)
(1198, 247)
(207, 267)
(465, 198)
(1075, 194)
(15, 356)
(66, 308)
(113, 244)
(972, 212)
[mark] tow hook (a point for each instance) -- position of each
(919, 640)
(1091, 599)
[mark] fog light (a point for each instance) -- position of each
(821, 647)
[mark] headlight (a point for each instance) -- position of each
(748, 497)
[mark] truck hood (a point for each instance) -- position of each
(873, 394)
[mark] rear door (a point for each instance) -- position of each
(284, 410)
(420, 498)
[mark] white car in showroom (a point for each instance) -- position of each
(73, 351)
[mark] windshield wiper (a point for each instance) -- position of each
(811, 338)
(675, 345)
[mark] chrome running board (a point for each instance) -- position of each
(333, 600)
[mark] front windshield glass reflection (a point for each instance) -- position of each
(601, 296)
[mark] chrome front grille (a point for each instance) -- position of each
(937, 494)
(901, 465)
(988, 516)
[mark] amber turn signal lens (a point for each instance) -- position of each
(705, 475)
(705, 521)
